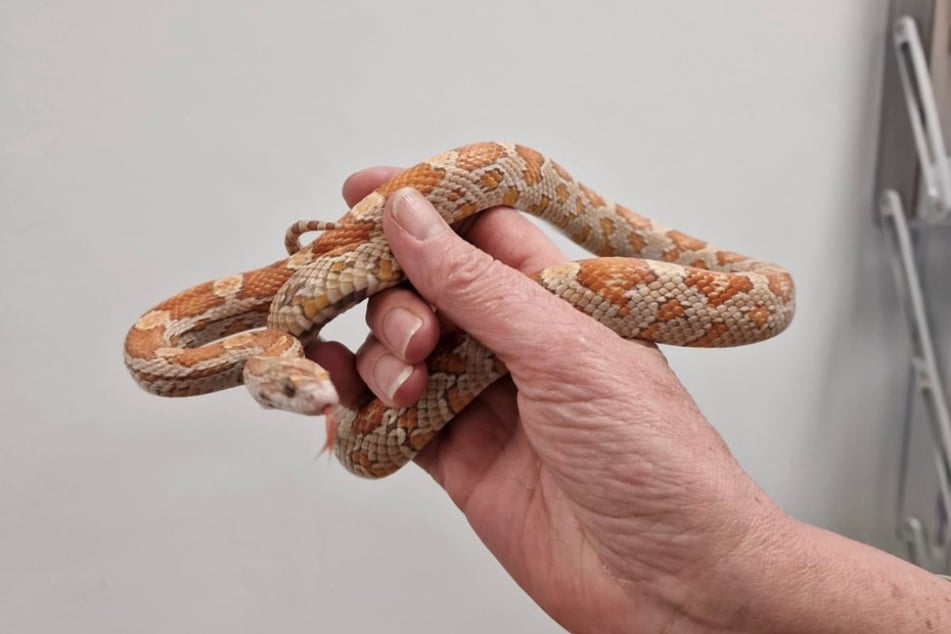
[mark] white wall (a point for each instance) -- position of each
(147, 146)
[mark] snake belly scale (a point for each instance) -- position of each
(650, 283)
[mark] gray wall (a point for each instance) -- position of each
(147, 146)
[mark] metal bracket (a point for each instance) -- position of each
(925, 382)
(927, 539)
(925, 124)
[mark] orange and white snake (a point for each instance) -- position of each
(650, 283)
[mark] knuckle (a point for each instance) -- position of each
(473, 272)
(368, 350)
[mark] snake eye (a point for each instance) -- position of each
(289, 389)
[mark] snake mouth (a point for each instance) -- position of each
(291, 384)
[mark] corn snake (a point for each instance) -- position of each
(649, 283)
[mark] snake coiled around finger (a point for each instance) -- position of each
(648, 282)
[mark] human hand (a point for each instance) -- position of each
(588, 455)
(589, 472)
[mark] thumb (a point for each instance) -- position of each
(499, 306)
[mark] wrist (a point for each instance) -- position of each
(738, 586)
(787, 576)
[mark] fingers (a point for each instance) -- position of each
(391, 362)
(391, 379)
(403, 328)
(499, 306)
(404, 323)
(510, 237)
(339, 362)
(405, 331)
(361, 183)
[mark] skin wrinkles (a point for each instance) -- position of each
(541, 500)
(471, 275)
(628, 514)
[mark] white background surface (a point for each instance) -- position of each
(145, 147)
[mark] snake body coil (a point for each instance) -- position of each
(650, 283)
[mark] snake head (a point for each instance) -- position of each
(292, 384)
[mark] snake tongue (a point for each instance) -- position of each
(331, 426)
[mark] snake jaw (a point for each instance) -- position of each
(294, 385)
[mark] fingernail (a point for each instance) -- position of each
(399, 326)
(414, 213)
(390, 374)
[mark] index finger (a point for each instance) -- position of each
(508, 236)
(359, 184)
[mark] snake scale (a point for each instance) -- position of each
(650, 283)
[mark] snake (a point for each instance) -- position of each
(648, 282)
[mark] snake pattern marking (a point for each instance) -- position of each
(650, 283)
